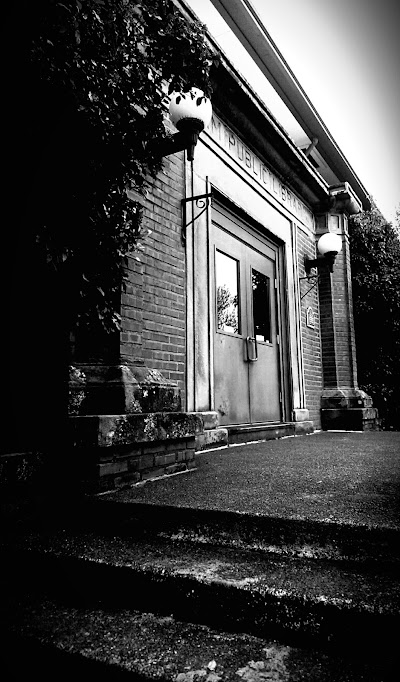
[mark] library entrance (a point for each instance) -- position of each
(247, 376)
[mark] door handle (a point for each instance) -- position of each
(250, 340)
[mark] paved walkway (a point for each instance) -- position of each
(345, 477)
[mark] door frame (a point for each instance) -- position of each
(237, 223)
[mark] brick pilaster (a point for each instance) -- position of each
(343, 404)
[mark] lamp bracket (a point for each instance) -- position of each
(169, 145)
(321, 262)
(308, 277)
(186, 139)
(202, 202)
(316, 278)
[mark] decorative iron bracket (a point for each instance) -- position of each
(308, 277)
(316, 278)
(202, 202)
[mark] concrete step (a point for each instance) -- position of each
(283, 536)
(280, 536)
(334, 606)
(52, 641)
(245, 433)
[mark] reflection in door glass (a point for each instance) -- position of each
(261, 306)
(227, 284)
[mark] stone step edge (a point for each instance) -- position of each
(173, 652)
(246, 433)
(223, 436)
(291, 615)
(279, 535)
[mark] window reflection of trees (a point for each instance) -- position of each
(227, 310)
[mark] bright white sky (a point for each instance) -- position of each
(346, 56)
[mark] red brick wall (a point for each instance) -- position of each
(343, 319)
(328, 334)
(337, 326)
(153, 307)
(311, 340)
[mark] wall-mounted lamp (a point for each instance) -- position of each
(190, 112)
(329, 245)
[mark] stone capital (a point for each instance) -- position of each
(342, 199)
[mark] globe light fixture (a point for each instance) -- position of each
(329, 245)
(190, 112)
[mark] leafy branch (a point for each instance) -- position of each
(99, 70)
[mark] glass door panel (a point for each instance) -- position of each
(264, 375)
(227, 285)
(260, 285)
(231, 380)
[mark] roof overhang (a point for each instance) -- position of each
(237, 105)
(248, 28)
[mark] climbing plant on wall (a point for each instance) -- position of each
(97, 72)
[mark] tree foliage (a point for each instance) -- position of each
(396, 225)
(375, 263)
(97, 72)
(227, 309)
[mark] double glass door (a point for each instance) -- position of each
(246, 337)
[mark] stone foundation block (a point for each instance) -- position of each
(127, 429)
(211, 439)
(123, 388)
(164, 460)
(351, 419)
(304, 427)
(118, 450)
(301, 415)
(338, 398)
(113, 468)
(210, 420)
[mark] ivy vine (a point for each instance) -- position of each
(99, 70)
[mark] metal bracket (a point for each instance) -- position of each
(308, 277)
(316, 278)
(202, 201)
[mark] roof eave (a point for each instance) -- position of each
(245, 23)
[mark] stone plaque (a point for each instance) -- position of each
(310, 318)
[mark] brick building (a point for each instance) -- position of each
(224, 337)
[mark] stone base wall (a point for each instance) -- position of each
(91, 471)
(348, 409)
(112, 451)
(120, 468)
(350, 419)
(213, 435)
